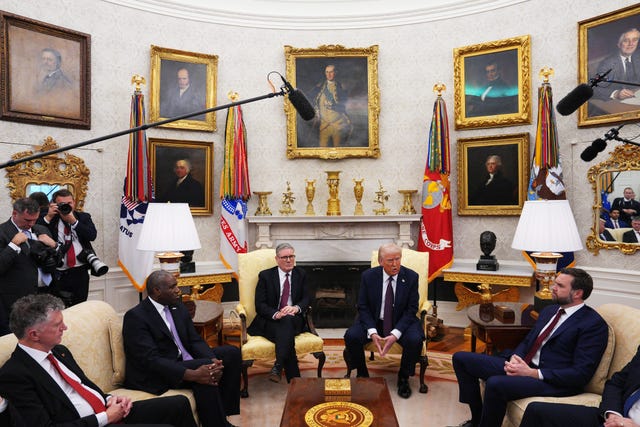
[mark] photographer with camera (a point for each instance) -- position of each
(74, 231)
(20, 240)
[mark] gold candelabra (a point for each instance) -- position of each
(381, 198)
(287, 201)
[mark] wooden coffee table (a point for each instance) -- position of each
(500, 335)
(305, 393)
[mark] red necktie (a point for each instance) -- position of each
(387, 322)
(96, 403)
(71, 253)
(286, 290)
(538, 343)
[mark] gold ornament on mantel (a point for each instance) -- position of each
(333, 203)
(287, 201)
(358, 191)
(310, 191)
(263, 205)
(407, 202)
(381, 198)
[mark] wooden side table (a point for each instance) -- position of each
(208, 321)
(498, 335)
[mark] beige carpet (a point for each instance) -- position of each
(439, 407)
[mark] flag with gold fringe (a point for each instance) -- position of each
(234, 190)
(138, 192)
(436, 228)
(546, 180)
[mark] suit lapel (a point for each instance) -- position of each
(575, 318)
(377, 292)
(155, 317)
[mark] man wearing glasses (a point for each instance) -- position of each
(282, 295)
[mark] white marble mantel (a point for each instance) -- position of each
(334, 238)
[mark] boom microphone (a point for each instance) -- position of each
(579, 95)
(299, 101)
(599, 144)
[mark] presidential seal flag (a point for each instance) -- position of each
(234, 190)
(138, 192)
(436, 227)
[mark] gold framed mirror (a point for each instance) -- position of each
(611, 177)
(53, 171)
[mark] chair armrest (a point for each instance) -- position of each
(242, 313)
(309, 319)
(426, 307)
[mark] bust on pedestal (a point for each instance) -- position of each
(487, 262)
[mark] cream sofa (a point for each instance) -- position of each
(624, 338)
(94, 336)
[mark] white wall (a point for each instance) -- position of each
(412, 59)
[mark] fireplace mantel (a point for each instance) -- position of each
(312, 235)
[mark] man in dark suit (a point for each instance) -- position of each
(185, 188)
(387, 307)
(619, 406)
(184, 98)
(282, 296)
(633, 236)
(19, 273)
(628, 206)
(494, 188)
(557, 358)
(75, 230)
(603, 233)
(624, 65)
(614, 220)
(45, 385)
(164, 351)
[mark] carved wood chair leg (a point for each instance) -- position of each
(244, 392)
(346, 355)
(321, 359)
(424, 362)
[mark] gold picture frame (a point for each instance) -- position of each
(480, 102)
(598, 38)
(164, 154)
(169, 68)
(352, 130)
(45, 76)
(507, 191)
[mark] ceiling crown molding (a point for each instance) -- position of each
(316, 14)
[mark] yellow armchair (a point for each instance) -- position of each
(259, 348)
(418, 262)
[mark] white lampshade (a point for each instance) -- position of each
(547, 226)
(168, 227)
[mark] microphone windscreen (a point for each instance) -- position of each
(599, 145)
(574, 99)
(301, 104)
(589, 154)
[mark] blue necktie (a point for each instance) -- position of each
(631, 400)
(174, 332)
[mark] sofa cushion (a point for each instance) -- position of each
(258, 347)
(117, 350)
(596, 385)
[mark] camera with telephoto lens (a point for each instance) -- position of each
(98, 268)
(46, 258)
(64, 208)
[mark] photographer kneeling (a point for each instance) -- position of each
(74, 231)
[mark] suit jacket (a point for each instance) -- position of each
(18, 272)
(405, 302)
(500, 191)
(621, 224)
(192, 100)
(36, 396)
(606, 236)
(620, 386)
(189, 191)
(629, 237)
(85, 230)
(152, 363)
(267, 297)
(572, 353)
(619, 203)
(614, 63)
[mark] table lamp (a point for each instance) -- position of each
(546, 228)
(168, 228)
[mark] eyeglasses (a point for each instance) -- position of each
(287, 257)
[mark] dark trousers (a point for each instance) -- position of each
(161, 411)
(411, 341)
(282, 333)
(499, 388)
(72, 285)
(546, 414)
(215, 403)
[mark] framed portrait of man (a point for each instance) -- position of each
(492, 84)
(45, 74)
(182, 173)
(183, 83)
(493, 174)
(608, 46)
(342, 86)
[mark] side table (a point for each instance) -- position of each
(208, 321)
(496, 334)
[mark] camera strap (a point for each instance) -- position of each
(68, 240)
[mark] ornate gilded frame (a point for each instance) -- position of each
(357, 71)
(68, 171)
(472, 153)
(64, 98)
(513, 56)
(597, 40)
(203, 71)
(624, 158)
(165, 152)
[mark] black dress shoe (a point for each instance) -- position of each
(404, 390)
(276, 373)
